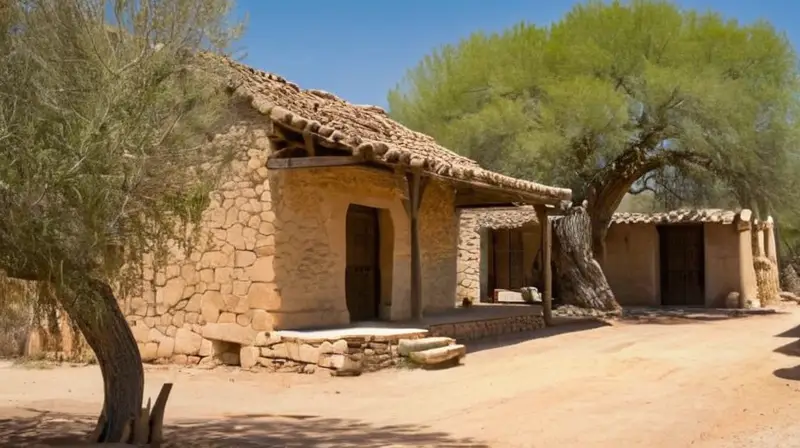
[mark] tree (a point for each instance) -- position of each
(614, 92)
(105, 110)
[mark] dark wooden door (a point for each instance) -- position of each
(508, 267)
(682, 265)
(362, 274)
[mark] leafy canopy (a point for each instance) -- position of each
(614, 91)
(104, 113)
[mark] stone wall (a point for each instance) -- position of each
(270, 254)
(349, 355)
(469, 257)
(479, 329)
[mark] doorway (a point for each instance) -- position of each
(362, 272)
(507, 267)
(682, 249)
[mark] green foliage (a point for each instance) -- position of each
(617, 90)
(104, 115)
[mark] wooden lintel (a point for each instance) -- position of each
(313, 162)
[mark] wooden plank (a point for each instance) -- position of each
(416, 187)
(313, 162)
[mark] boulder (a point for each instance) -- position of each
(406, 346)
(438, 355)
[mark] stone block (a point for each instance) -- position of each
(187, 342)
(308, 354)
(166, 347)
(438, 355)
(148, 351)
(230, 332)
(262, 321)
(407, 346)
(262, 270)
(248, 357)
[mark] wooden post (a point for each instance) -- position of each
(547, 271)
(416, 187)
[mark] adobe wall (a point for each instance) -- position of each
(722, 263)
(632, 264)
(271, 255)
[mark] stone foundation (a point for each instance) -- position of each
(342, 355)
(479, 329)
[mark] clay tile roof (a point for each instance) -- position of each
(368, 130)
(499, 218)
(684, 216)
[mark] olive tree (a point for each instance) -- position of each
(611, 93)
(105, 117)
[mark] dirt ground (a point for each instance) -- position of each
(699, 382)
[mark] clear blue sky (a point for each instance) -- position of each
(359, 49)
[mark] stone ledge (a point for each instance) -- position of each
(478, 329)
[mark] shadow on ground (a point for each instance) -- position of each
(563, 326)
(242, 431)
(678, 316)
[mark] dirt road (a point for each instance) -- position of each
(691, 383)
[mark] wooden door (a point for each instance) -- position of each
(362, 274)
(507, 260)
(682, 265)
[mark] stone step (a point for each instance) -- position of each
(439, 355)
(407, 346)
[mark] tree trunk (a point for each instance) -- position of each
(108, 334)
(581, 280)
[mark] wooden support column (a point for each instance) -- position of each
(547, 271)
(416, 187)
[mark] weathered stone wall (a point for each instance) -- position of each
(469, 257)
(438, 223)
(479, 329)
(633, 265)
(270, 254)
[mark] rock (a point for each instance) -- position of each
(308, 354)
(341, 363)
(211, 305)
(206, 348)
(171, 293)
(732, 300)
(262, 321)
(438, 355)
(263, 296)
(187, 342)
(786, 295)
(262, 270)
(407, 346)
(531, 295)
(230, 332)
(166, 347)
(248, 357)
(148, 351)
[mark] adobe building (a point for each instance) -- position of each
(332, 214)
(678, 258)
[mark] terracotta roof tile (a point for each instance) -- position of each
(683, 216)
(500, 218)
(368, 130)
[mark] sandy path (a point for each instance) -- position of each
(704, 384)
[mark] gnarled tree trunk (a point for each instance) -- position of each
(581, 280)
(108, 334)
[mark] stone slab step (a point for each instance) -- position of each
(504, 296)
(438, 355)
(407, 346)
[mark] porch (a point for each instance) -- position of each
(370, 346)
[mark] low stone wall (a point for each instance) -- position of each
(479, 329)
(345, 355)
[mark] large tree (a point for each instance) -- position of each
(105, 113)
(614, 91)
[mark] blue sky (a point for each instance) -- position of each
(359, 49)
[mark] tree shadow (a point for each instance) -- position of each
(562, 325)
(245, 431)
(790, 349)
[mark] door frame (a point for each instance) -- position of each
(663, 264)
